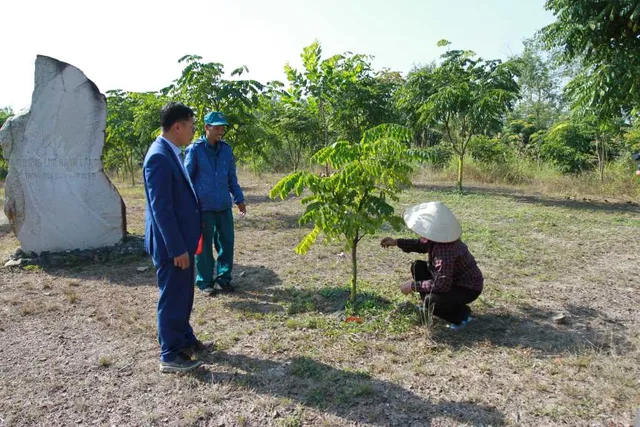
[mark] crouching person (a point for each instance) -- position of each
(450, 279)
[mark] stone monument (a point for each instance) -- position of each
(57, 196)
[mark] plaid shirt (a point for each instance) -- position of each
(451, 264)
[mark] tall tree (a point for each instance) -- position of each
(409, 99)
(133, 122)
(296, 130)
(539, 81)
(469, 97)
(605, 135)
(603, 37)
(568, 146)
(317, 82)
(362, 97)
(348, 95)
(203, 87)
(120, 139)
(146, 120)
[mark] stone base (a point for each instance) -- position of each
(129, 248)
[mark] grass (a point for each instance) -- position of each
(290, 421)
(105, 361)
(620, 181)
(286, 356)
(72, 296)
(28, 308)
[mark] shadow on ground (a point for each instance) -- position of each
(585, 204)
(260, 290)
(350, 395)
(534, 328)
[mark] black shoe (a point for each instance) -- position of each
(179, 364)
(210, 291)
(226, 287)
(199, 347)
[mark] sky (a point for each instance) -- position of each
(135, 45)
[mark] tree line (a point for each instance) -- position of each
(569, 101)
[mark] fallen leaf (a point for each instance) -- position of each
(356, 319)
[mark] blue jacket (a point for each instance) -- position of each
(172, 216)
(213, 173)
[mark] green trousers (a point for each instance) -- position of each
(217, 230)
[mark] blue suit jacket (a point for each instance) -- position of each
(172, 217)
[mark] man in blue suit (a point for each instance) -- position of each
(172, 230)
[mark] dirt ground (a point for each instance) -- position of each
(79, 345)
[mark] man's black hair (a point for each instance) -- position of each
(174, 112)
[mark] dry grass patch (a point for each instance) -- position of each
(287, 357)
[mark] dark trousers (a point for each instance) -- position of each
(217, 229)
(450, 306)
(174, 309)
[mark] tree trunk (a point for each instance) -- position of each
(325, 129)
(354, 270)
(602, 157)
(254, 164)
(296, 162)
(460, 171)
(131, 171)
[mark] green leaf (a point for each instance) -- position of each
(308, 241)
(286, 185)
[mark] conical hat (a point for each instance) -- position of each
(434, 221)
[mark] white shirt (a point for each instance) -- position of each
(178, 152)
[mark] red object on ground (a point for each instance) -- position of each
(356, 319)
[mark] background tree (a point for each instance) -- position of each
(316, 82)
(606, 139)
(133, 122)
(202, 86)
(603, 38)
(568, 146)
(540, 103)
(600, 40)
(146, 120)
(347, 95)
(295, 132)
(362, 97)
(469, 97)
(409, 99)
(5, 114)
(120, 138)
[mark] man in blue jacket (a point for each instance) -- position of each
(212, 168)
(172, 229)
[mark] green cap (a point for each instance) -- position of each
(215, 118)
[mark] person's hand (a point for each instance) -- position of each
(242, 208)
(388, 241)
(182, 261)
(406, 288)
